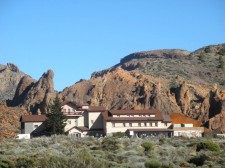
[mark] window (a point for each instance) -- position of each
(145, 124)
(130, 124)
(124, 124)
(76, 123)
(113, 124)
(139, 124)
(165, 124)
(69, 122)
(156, 124)
(35, 126)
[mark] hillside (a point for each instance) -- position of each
(172, 81)
(199, 67)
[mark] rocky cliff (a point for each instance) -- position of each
(10, 76)
(189, 83)
(173, 81)
(35, 96)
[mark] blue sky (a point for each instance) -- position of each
(77, 37)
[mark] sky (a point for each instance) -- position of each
(75, 38)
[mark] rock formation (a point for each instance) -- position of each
(10, 76)
(35, 95)
(169, 80)
(172, 81)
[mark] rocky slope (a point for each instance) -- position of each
(199, 67)
(188, 83)
(169, 80)
(35, 96)
(10, 76)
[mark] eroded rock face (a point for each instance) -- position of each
(10, 76)
(120, 89)
(35, 96)
(25, 84)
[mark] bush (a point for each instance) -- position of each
(221, 51)
(152, 164)
(201, 57)
(6, 163)
(25, 162)
(207, 49)
(110, 143)
(148, 146)
(198, 160)
(119, 134)
(209, 145)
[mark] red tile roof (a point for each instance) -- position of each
(96, 109)
(82, 129)
(33, 118)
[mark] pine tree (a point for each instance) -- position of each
(55, 122)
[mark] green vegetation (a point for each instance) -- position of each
(207, 49)
(221, 51)
(201, 57)
(220, 62)
(55, 122)
(198, 160)
(68, 151)
(173, 83)
(222, 83)
(208, 145)
(152, 164)
(119, 134)
(148, 146)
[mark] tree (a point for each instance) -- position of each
(55, 122)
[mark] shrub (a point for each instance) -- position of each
(110, 143)
(221, 51)
(148, 146)
(201, 57)
(119, 134)
(220, 62)
(6, 163)
(162, 140)
(207, 49)
(25, 162)
(152, 164)
(198, 160)
(209, 145)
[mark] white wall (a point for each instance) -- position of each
(95, 120)
(67, 108)
(112, 127)
(188, 133)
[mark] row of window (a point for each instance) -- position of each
(69, 110)
(151, 124)
(148, 115)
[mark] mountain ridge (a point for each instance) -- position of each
(170, 80)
